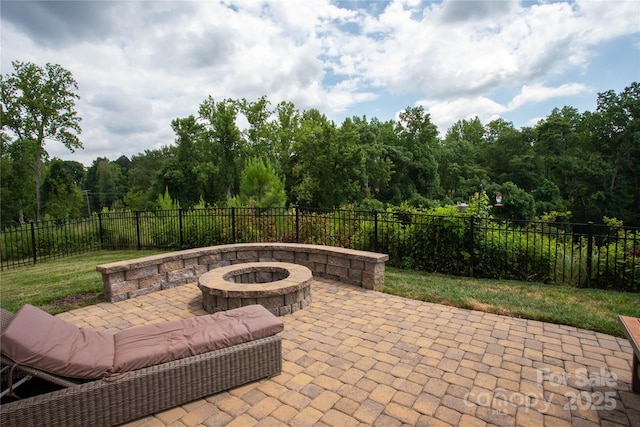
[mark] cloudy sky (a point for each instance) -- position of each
(140, 64)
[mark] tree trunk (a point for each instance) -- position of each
(38, 172)
(612, 182)
(37, 169)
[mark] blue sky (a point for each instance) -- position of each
(141, 64)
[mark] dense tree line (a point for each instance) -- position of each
(581, 166)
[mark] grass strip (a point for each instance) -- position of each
(592, 309)
(61, 284)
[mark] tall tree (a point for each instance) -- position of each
(260, 133)
(471, 131)
(141, 176)
(416, 167)
(224, 149)
(104, 180)
(617, 139)
(38, 104)
(313, 154)
(260, 186)
(348, 164)
(286, 125)
(518, 204)
(182, 170)
(61, 192)
(375, 165)
(17, 186)
(570, 162)
(460, 171)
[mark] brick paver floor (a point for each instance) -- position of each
(356, 357)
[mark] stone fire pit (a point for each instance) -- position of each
(280, 287)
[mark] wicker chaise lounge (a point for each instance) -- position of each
(123, 396)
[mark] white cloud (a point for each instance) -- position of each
(446, 113)
(540, 93)
(606, 20)
(156, 61)
(445, 58)
(533, 121)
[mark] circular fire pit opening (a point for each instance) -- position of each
(280, 287)
(259, 274)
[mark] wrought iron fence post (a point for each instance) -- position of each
(233, 224)
(181, 241)
(138, 230)
(375, 231)
(589, 251)
(297, 224)
(100, 230)
(33, 241)
(472, 221)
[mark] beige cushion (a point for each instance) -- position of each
(149, 345)
(37, 339)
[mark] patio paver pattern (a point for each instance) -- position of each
(356, 357)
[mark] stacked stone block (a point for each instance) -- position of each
(282, 288)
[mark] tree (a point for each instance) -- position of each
(166, 203)
(260, 133)
(416, 169)
(183, 170)
(260, 186)
(471, 131)
(548, 198)
(104, 180)
(376, 168)
(458, 165)
(617, 140)
(38, 104)
(314, 153)
(223, 148)
(285, 126)
(61, 192)
(141, 175)
(16, 184)
(504, 152)
(517, 203)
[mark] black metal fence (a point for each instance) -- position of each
(586, 255)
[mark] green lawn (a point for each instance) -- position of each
(592, 309)
(62, 284)
(72, 282)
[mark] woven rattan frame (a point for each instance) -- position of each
(148, 390)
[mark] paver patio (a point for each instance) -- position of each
(356, 357)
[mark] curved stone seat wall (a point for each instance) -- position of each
(131, 278)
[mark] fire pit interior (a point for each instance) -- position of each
(257, 274)
(280, 287)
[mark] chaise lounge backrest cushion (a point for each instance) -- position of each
(149, 345)
(37, 339)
